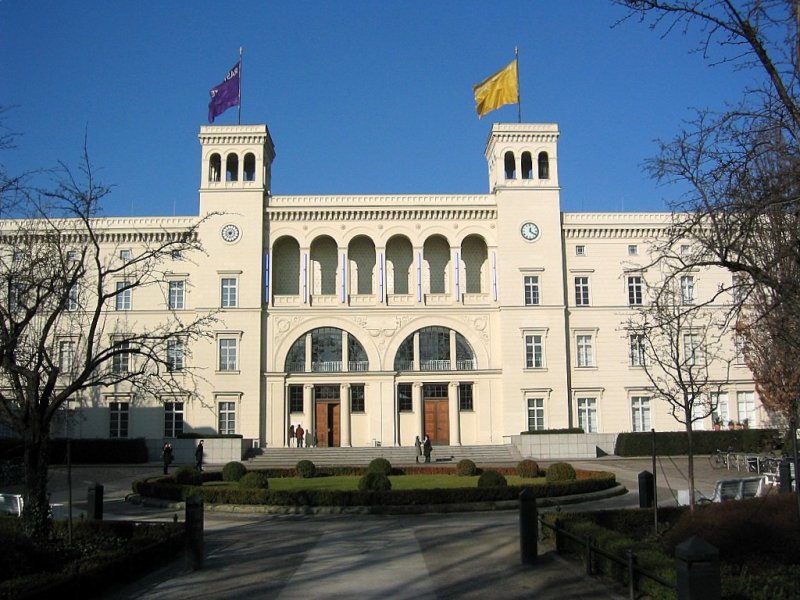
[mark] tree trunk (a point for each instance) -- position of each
(690, 469)
(36, 511)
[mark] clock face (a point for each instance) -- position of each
(230, 233)
(529, 231)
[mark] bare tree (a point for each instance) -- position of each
(64, 330)
(681, 347)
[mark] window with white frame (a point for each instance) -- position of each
(640, 413)
(173, 419)
(72, 298)
(227, 417)
(531, 284)
(633, 250)
(175, 355)
(72, 255)
(535, 414)
(634, 290)
(746, 405)
(295, 398)
(580, 250)
(357, 404)
(582, 291)
(721, 414)
(692, 350)
(687, 289)
(584, 346)
(636, 342)
(123, 295)
(119, 419)
(534, 351)
(229, 292)
(124, 255)
(177, 294)
(228, 359)
(699, 414)
(465, 400)
(587, 414)
(121, 360)
(66, 356)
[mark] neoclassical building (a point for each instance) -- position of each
(373, 319)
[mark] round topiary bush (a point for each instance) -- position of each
(528, 468)
(254, 480)
(491, 479)
(233, 471)
(466, 468)
(560, 471)
(188, 475)
(306, 469)
(374, 482)
(380, 465)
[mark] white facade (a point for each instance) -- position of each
(374, 319)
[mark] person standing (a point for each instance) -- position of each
(427, 448)
(298, 433)
(290, 441)
(418, 446)
(198, 455)
(166, 456)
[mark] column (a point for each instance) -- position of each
(310, 409)
(455, 414)
(344, 416)
(417, 408)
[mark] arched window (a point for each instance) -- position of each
(510, 165)
(249, 167)
(232, 167)
(214, 167)
(527, 165)
(544, 166)
(437, 347)
(327, 354)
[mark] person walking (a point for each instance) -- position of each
(290, 441)
(198, 455)
(427, 448)
(418, 446)
(298, 433)
(166, 456)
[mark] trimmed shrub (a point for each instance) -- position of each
(254, 480)
(306, 469)
(380, 465)
(491, 479)
(560, 471)
(528, 468)
(672, 443)
(374, 482)
(188, 475)
(466, 468)
(233, 471)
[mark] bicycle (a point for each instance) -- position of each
(720, 459)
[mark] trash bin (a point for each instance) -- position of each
(94, 499)
(646, 489)
(697, 570)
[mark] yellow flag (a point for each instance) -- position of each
(497, 90)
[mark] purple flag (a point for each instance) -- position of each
(224, 95)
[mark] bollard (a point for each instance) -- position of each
(194, 532)
(528, 527)
(785, 476)
(94, 499)
(697, 570)
(646, 492)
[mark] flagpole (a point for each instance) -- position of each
(519, 95)
(239, 111)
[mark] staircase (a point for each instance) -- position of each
(272, 458)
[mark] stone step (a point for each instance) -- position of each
(288, 457)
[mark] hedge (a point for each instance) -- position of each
(676, 443)
(84, 451)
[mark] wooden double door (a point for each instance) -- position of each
(437, 413)
(326, 415)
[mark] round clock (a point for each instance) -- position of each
(230, 233)
(529, 231)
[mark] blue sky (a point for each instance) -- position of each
(361, 97)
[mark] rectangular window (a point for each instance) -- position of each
(746, 405)
(587, 414)
(636, 349)
(175, 355)
(465, 396)
(227, 418)
(721, 414)
(633, 250)
(228, 287)
(580, 250)
(66, 356)
(692, 351)
(72, 256)
(687, 289)
(176, 295)
(640, 413)
(173, 419)
(581, 291)
(72, 298)
(535, 414)
(119, 420)
(404, 402)
(534, 352)
(585, 351)
(295, 398)
(177, 255)
(121, 362)
(227, 354)
(357, 398)
(635, 290)
(123, 297)
(531, 284)
(125, 255)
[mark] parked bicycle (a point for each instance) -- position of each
(722, 459)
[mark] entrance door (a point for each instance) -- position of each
(437, 414)
(326, 413)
